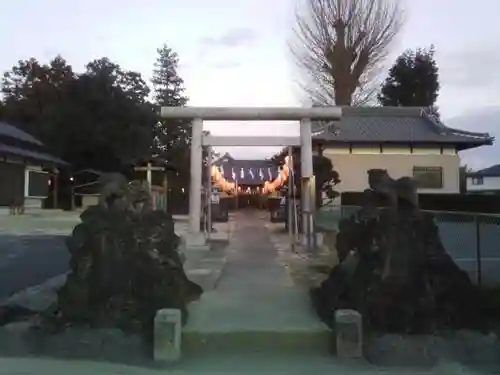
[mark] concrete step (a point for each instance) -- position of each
(207, 278)
(299, 342)
(277, 321)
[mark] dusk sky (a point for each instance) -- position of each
(234, 53)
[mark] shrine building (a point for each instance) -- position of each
(26, 169)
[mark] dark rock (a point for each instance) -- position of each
(124, 265)
(393, 268)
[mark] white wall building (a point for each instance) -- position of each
(485, 180)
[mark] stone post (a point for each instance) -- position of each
(167, 336)
(349, 334)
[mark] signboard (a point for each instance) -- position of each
(36, 184)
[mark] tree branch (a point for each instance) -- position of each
(340, 44)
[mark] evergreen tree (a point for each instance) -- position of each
(413, 80)
(167, 84)
(172, 137)
(98, 119)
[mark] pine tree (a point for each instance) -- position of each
(413, 80)
(167, 84)
(172, 137)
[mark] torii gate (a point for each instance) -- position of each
(198, 114)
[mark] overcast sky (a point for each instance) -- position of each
(234, 53)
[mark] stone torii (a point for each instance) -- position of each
(198, 114)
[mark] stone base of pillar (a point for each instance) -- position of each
(319, 239)
(194, 248)
(194, 241)
(303, 240)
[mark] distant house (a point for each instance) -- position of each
(404, 141)
(87, 187)
(485, 180)
(24, 168)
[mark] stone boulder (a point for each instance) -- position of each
(393, 268)
(124, 265)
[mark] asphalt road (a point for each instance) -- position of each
(32, 249)
(461, 242)
(27, 260)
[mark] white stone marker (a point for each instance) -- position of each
(167, 335)
(349, 334)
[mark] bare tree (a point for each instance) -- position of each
(340, 45)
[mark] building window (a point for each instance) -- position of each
(477, 181)
(428, 177)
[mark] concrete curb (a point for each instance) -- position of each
(269, 341)
(204, 265)
(20, 340)
(245, 364)
(38, 297)
(180, 218)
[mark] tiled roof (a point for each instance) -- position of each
(10, 131)
(35, 155)
(394, 125)
(90, 171)
(7, 130)
(493, 171)
(247, 172)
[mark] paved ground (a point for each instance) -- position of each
(459, 238)
(249, 364)
(32, 248)
(30, 260)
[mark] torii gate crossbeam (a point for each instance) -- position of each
(198, 114)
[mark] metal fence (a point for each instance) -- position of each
(472, 240)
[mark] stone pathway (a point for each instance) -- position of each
(255, 305)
